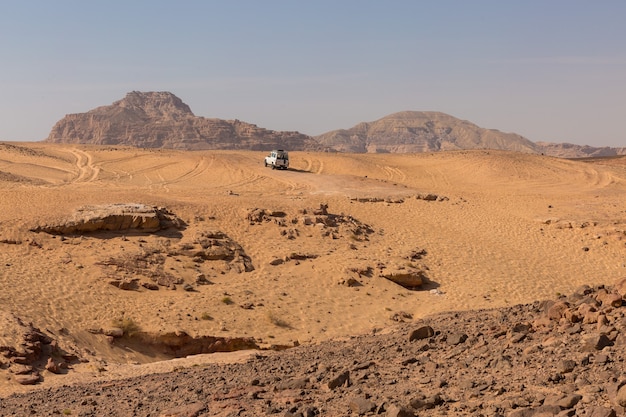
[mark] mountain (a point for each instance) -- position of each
(569, 150)
(162, 120)
(413, 131)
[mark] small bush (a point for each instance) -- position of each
(277, 321)
(228, 301)
(127, 324)
(206, 316)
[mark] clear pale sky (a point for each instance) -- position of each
(550, 70)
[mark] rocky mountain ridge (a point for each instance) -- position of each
(162, 120)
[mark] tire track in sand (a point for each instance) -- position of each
(86, 170)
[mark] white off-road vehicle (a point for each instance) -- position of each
(277, 159)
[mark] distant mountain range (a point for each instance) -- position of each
(162, 120)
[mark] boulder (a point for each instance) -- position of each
(407, 278)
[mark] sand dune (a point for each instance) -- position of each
(508, 228)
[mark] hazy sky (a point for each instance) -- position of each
(550, 70)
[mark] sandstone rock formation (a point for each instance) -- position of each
(412, 131)
(123, 217)
(162, 120)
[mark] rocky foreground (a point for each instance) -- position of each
(562, 357)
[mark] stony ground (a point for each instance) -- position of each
(560, 357)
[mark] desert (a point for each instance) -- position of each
(278, 265)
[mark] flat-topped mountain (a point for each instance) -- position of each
(413, 131)
(162, 120)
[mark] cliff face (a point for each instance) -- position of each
(162, 120)
(412, 131)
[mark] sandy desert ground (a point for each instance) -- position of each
(507, 228)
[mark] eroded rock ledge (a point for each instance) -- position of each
(180, 344)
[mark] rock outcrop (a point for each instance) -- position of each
(124, 217)
(24, 348)
(213, 245)
(162, 120)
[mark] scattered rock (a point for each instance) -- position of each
(30, 379)
(339, 380)
(350, 282)
(361, 405)
(421, 333)
(427, 197)
(150, 286)
(113, 332)
(52, 366)
(201, 279)
(277, 261)
(399, 411)
(456, 338)
(401, 316)
(596, 342)
(19, 369)
(212, 245)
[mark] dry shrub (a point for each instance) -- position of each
(277, 321)
(127, 324)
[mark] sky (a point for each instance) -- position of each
(549, 70)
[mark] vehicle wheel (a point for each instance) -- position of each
(273, 166)
(265, 164)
